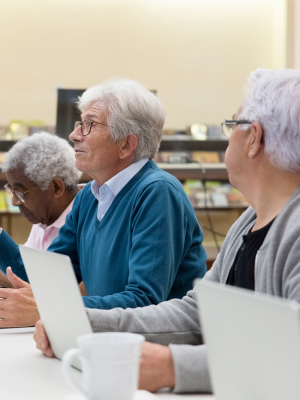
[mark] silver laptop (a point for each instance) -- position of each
(58, 298)
(253, 343)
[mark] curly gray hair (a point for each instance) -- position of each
(43, 157)
(132, 109)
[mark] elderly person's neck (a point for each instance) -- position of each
(268, 189)
(59, 205)
(105, 175)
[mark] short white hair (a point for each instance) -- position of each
(132, 109)
(272, 98)
(43, 157)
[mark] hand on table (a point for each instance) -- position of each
(156, 367)
(17, 306)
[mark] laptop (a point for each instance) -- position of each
(253, 343)
(58, 298)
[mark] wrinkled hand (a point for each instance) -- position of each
(17, 306)
(156, 367)
(41, 339)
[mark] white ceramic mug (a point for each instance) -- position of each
(110, 365)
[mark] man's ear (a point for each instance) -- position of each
(57, 187)
(128, 146)
(256, 139)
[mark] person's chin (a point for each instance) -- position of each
(79, 154)
(30, 217)
(79, 165)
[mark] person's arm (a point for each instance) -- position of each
(174, 321)
(182, 368)
(159, 232)
(10, 256)
(191, 369)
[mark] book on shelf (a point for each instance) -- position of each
(214, 194)
(6, 203)
(10, 207)
(3, 206)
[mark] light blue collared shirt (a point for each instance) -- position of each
(106, 193)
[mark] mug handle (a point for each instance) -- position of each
(66, 362)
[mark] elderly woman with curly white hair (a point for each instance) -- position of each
(42, 179)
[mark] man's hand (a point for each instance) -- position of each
(4, 281)
(41, 339)
(156, 367)
(17, 306)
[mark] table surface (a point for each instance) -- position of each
(28, 375)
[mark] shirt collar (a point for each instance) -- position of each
(117, 182)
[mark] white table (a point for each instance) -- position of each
(28, 375)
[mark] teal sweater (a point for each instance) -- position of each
(147, 248)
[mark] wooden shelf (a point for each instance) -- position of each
(217, 172)
(189, 143)
(225, 208)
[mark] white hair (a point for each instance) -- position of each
(43, 157)
(132, 109)
(273, 99)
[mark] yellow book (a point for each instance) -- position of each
(2, 201)
(10, 207)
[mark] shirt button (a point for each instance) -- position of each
(102, 215)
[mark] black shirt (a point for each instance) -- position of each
(242, 270)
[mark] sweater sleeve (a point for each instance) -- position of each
(10, 256)
(191, 369)
(159, 237)
(175, 323)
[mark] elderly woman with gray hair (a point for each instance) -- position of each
(42, 179)
(132, 234)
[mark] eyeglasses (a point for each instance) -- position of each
(229, 125)
(86, 126)
(19, 195)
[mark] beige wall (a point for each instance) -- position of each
(297, 34)
(196, 53)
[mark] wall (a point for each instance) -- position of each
(196, 53)
(297, 34)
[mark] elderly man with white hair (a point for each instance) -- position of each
(132, 235)
(261, 251)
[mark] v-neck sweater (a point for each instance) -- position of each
(146, 249)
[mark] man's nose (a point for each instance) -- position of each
(15, 201)
(76, 135)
